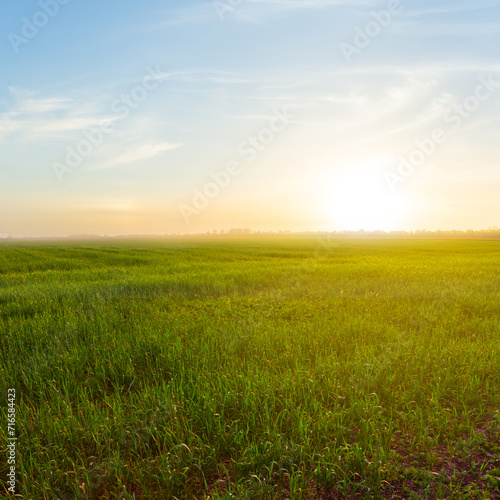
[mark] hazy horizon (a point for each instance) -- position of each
(488, 233)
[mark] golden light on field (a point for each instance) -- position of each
(361, 199)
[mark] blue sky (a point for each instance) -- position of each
(204, 78)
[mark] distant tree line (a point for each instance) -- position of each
(490, 233)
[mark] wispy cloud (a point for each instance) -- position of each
(141, 152)
(39, 117)
(455, 7)
(443, 28)
(250, 11)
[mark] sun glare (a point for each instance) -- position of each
(362, 200)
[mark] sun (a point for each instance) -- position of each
(361, 199)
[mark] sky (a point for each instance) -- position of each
(181, 117)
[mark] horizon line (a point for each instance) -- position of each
(249, 233)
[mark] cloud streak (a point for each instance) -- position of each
(141, 152)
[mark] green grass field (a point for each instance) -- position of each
(252, 368)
